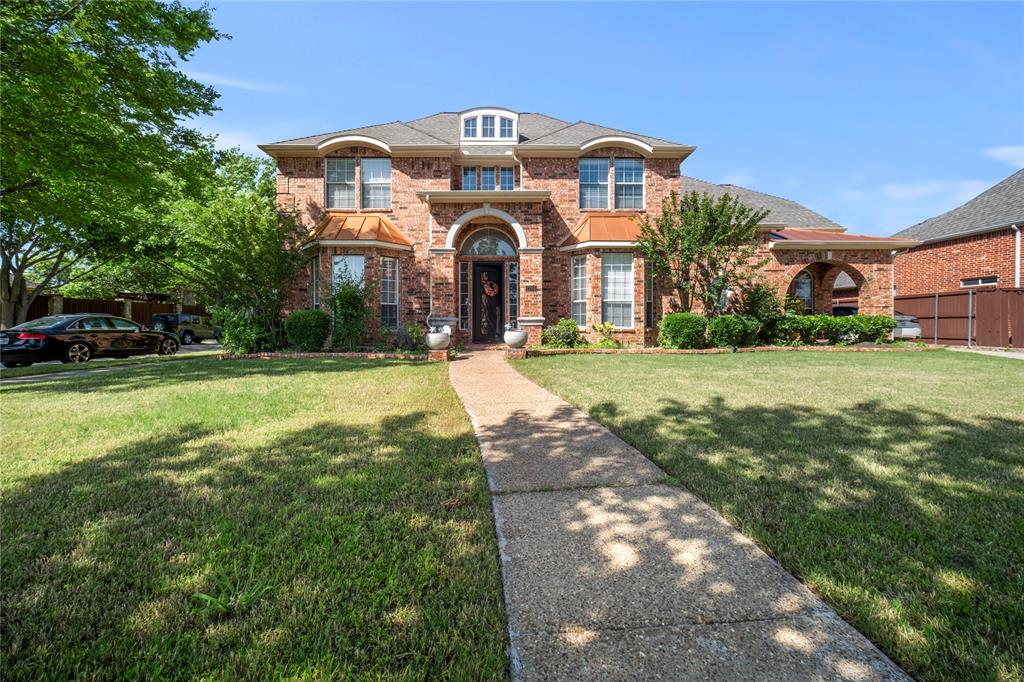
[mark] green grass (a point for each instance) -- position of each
(893, 484)
(35, 370)
(315, 519)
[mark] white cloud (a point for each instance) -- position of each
(1011, 154)
(228, 82)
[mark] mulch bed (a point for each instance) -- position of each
(871, 348)
(288, 355)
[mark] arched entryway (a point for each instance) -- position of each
(828, 287)
(487, 265)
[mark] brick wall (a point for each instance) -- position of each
(940, 266)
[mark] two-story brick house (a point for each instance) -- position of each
(489, 216)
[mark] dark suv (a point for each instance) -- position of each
(189, 328)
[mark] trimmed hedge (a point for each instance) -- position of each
(848, 329)
(727, 331)
(682, 330)
(307, 330)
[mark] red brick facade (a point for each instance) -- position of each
(940, 266)
(429, 274)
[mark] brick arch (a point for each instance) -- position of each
(871, 293)
(482, 223)
(486, 211)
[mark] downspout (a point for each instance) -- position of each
(1016, 256)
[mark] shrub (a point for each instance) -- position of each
(762, 304)
(732, 330)
(307, 330)
(848, 329)
(682, 330)
(563, 334)
(606, 329)
(349, 303)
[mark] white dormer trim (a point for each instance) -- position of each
(626, 141)
(498, 113)
(353, 140)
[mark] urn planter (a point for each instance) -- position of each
(438, 340)
(515, 338)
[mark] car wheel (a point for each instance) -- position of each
(77, 353)
(168, 347)
(159, 326)
(187, 338)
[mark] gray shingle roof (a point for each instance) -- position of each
(999, 206)
(443, 128)
(783, 211)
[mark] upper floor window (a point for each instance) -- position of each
(506, 127)
(487, 127)
(469, 177)
(593, 183)
(508, 179)
(629, 183)
(487, 179)
(341, 183)
(469, 127)
(376, 183)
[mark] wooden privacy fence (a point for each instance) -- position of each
(971, 317)
(141, 311)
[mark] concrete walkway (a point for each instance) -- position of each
(609, 575)
(994, 352)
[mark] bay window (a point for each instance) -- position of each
(617, 289)
(389, 293)
(349, 268)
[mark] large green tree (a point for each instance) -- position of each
(702, 246)
(94, 105)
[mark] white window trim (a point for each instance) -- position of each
(501, 172)
(572, 288)
(476, 128)
(334, 260)
(314, 280)
(642, 183)
(398, 280)
(501, 125)
(494, 178)
(579, 183)
(494, 127)
(476, 178)
(327, 184)
(498, 114)
(363, 182)
(977, 283)
(632, 289)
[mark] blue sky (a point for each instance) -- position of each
(878, 115)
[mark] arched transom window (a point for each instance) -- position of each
(487, 242)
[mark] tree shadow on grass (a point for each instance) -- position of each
(375, 541)
(908, 520)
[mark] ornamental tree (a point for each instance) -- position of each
(703, 246)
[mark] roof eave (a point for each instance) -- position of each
(972, 232)
(839, 245)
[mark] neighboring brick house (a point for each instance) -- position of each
(488, 216)
(977, 244)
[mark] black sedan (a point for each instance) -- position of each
(78, 338)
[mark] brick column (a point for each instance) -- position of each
(443, 288)
(531, 292)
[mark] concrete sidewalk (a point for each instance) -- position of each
(609, 575)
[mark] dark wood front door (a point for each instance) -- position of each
(488, 302)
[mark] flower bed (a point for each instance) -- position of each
(884, 348)
(286, 355)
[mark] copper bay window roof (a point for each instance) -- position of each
(603, 229)
(359, 229)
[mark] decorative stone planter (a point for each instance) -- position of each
(515, 338)
(438, 340)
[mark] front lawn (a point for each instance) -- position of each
(334, 513)
(893, 484)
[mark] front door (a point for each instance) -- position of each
(488, 302)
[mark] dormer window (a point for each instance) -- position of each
(506, 127)
(469, 127)
(488, 126)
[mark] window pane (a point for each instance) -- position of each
(469, 178)
(469, 127)
(349, 267)
(506, 127)
(513, 293)
(487, 179)
(488, 126)
(508, 179)
(629, 183)
(578, 290)
(648, 294)
(617, 289)
(376, 183)
(314, 281)
(487, 242)
(341, 183)
(593, 183)
(389, 293)
(463, 295)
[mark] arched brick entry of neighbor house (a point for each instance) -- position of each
(873, 281)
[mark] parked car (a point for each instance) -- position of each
(189, 328)
(843, 310)
(79, 338)
(907, 327)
